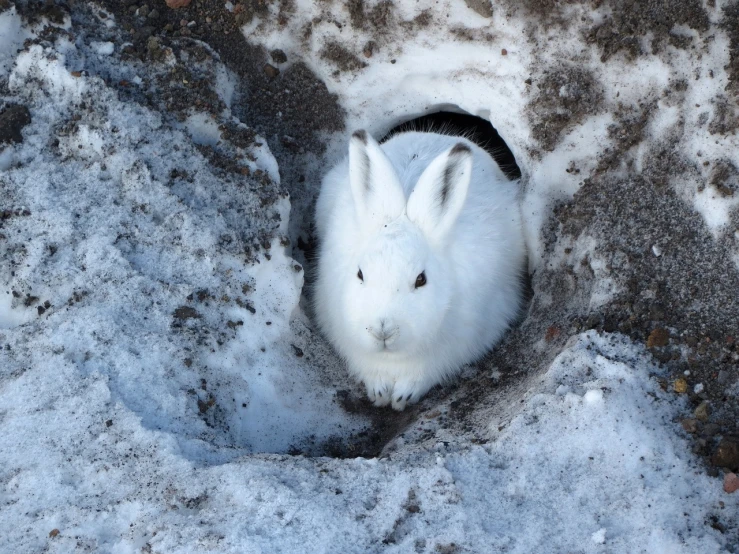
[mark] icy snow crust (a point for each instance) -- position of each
(136, 253)
(130, 417)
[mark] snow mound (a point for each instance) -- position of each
(130, 261)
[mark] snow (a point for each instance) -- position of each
(715, 209)
(129, 428)
(599, 537)
(12, 35)
(115, 246)
(203, 129)
(102, 48)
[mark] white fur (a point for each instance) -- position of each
(380, 210)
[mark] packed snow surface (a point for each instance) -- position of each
(152, 376)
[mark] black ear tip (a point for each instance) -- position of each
(360, 135)
(459, 149)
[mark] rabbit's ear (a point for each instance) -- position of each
(440, 192)
(378, 195)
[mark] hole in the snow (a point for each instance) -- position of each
(478, 130)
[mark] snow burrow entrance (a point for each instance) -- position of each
(478, 130)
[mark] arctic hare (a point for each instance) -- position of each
(420, 260)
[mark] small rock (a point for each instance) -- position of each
(12, 120)
(369, 49)
(731, 482)
(593, 321)
(482, 7)
(186, 312)
(657, 312)
(690, 425)
(298, 351)
(698, 388)
(680, 386)
(109, 423)
(155, 48)
(658, 337)
(727, 454)
(552, 333)
(711, 429)
(204, 406)
(174, 4)
(701, 413)
(271, 71)
(504, 52)
(53, 533)
(278, 56)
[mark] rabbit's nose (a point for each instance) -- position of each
(384, 333)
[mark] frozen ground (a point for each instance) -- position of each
(158, 373)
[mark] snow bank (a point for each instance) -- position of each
(128, 263)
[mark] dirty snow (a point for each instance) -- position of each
(152, 376)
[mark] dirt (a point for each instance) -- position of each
(565, 96)
(724, 178)
(293, 103)
(380, 17)
(13, 118)
(730, 24)
(483, 8)
(630, 21)
(345, 60)
(726, 116)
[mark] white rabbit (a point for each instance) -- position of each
(420, 262)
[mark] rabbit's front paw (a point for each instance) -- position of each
(379, 392)
(405, 392)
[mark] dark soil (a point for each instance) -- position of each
(335, 53)
(632, 20)
(565, 96)
(12, 120)
(730, 23)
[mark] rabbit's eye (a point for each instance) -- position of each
(359, 274)
(421, 280)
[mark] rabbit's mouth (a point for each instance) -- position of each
(385, 345)
(388, 349)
